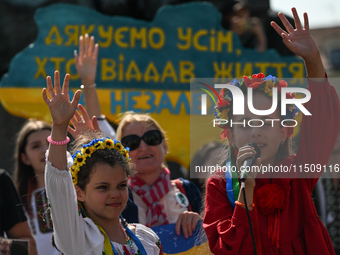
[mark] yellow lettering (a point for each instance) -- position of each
(297, 71)
(57, 62)
(141, 35)
(105, 35)
(121, 67)
(41, 70)
(279, 67)
(263, 66)
(73, 32)
(54, 37)
(247, 69)
(186, 38)
(133, 72)
(108, 69)
(151, 73)
(186, 69)
(119, 36)
(156, 31)
(169, 71)
(222, 71)
(196, 39)
(225, 39)
(68, 67)
(88, 30)
(212, 40)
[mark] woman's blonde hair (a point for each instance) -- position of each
(132, 117)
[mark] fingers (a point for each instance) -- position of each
(188, 222)
(81, 46)
(57, 82)
(72, 131)
(78, 118)
(74, 121)
(285, 22)
(277, 28)
(76, 98)
(84, 114)
(95, 53)
(296, 19)
(305, 16)
(66, 84)
(95, 124)
(49, 86)
(45, 97)
(86, 45)
(90, 50)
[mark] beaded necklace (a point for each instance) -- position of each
(129, 242)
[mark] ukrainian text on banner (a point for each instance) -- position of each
(142, 66)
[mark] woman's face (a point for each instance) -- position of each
(148, 159)
(35, 149)
(106, 194)
(268, 137)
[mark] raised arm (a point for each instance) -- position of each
(300, 42)
(86, 64)
(62, 110)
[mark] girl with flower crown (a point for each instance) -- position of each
(88, 191)
(31, 145)
(282, 213)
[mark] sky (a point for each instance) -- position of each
(321, 13)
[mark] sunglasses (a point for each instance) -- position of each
(152, 138)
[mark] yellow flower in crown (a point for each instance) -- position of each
(79, 157)
(268, 88)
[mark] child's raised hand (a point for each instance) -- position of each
(86, 61)
(60, 106)
(298, 40)
(82, 123)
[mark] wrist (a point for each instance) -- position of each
(58, 132)
(87, 82)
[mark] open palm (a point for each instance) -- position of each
(62, 110)
(298, 40)
(86, 62)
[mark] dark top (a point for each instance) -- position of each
(11, 210)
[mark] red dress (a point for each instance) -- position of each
(300, 230)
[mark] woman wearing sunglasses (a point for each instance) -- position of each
(154, 199)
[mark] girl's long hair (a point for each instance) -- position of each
(24, 174)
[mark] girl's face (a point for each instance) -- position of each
(106, 194)
(267, 137)
(35, 149)
(148, 158)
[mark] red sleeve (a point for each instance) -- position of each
(319, 131)
(227, 229)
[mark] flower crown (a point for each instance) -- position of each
(261, 83)
(79, 157)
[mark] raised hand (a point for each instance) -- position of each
(298, 40)
(60, 106)
(82, 123)
(86, 61)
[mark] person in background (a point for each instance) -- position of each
(154, 199)
(13, 221)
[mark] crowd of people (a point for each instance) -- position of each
(107, 196)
